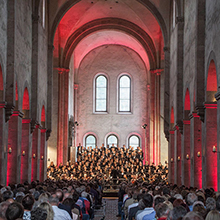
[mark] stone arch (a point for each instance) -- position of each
(150, 6)
(110, 23)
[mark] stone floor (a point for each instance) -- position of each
(111, 209)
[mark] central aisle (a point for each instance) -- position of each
(111, 209)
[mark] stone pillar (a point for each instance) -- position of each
(186, 153)
(26, 150)
(62, 132)
(210, 140)
(42, 154)
(171, 157)
(14, 147)
(35, 171)
(217, 96)
(195, 151)
(177, 157)
(3, 151)
(155, 107)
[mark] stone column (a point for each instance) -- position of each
(26, 150)
(171, 157)
(62, 134)
(217, 96)
(177, 157)
(195, 151)
(186, 153)
(14, 147)
(3, 151)
(210, 140)
(36, 136)
(42, 154)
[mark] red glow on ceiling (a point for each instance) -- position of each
(172, 116)
(25, 105)
(212, 77)
(1, 80)
(43, 114)
(187, 101)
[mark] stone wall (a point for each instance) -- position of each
(111, 60)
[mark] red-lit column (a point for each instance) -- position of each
(210, 165)
(171, 157)
(14, 147)
(35, 171)
(26, 148)
(177, 158)
(62, 131)
(186, 152)
(195, 151)
(42, 154)
(217, 96)
(3, 151)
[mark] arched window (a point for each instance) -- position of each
(90, 141)
(124, 98)
(134, 141)
(101, 94)
(112, 139)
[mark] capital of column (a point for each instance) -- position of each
(193, 115)
(3, 104)
(9, 108)
(179, 126)
(43, 130)
(210, 105)
(172, 131)
(76, 86)
(201, 112)
(167, 134)
(34, 124)
(18, 113)
(26, 120)
(48, 132)
(62, 70)
(186, 122)
(157, 71)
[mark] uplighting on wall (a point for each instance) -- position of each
(178, 158)
(214, 149)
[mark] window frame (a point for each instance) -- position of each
(95, 93)
(109, 136)
(87, 137)
(135, 136)
(118, 96)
